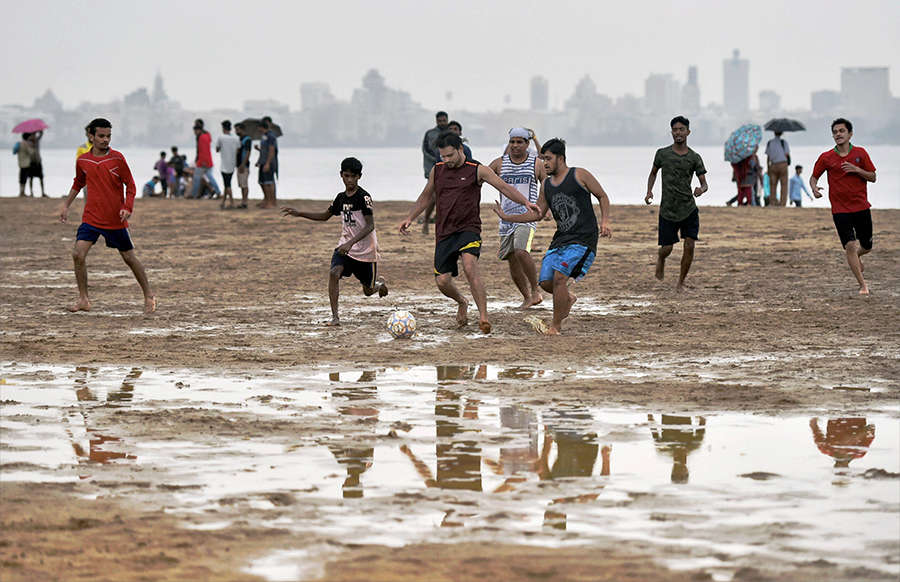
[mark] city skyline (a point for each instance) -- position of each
(486, 64)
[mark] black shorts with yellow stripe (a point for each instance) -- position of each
(448, 249)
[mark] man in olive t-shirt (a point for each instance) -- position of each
(677, 209)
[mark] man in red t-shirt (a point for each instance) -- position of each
(203, 167)
(106, 211)
(849, 169)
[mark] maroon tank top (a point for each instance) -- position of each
(457, 199)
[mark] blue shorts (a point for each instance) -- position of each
(115, 238)
(571, 260)
(266, 177)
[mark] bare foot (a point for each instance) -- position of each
(382, 287)
(335, 322)
(485, 326)
(864, 290)
(660, 269)
(82, 304)
(462, 314)
(682, 287)
(150, 304)
(552, 331)
(533, 300)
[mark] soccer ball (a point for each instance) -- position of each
(401, 324)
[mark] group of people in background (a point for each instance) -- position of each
(770, 186)
(176, 177)
(28, 151)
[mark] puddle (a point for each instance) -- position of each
(409, 455)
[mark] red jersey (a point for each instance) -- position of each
(104, 177)
(457, 199)
(204, 153)
(846, 192)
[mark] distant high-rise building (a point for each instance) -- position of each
(736, 84)
(540, 94)
(769, 101)
(159, 92)
(662, 94)
(313, 95)
(690, 93)
(825, 101)
(865, 91)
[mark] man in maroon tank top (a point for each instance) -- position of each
(455, 187)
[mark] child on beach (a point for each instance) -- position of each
(357, 250)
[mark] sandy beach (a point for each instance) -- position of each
(772, 326)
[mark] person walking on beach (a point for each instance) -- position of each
(24, 151)
(177, 163)
(778, 158)
(849, 170)
(106, 211)
(268, 164)
(677, 210)
(454, 187)
(566, 192)
(357, 252)
(203, 162)
(431, 156)
(227, 146)
(242, 163)
(521, 169)
(796, 186)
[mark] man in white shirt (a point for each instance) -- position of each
(227, 146)
(778, 157)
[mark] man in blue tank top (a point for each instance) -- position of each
(566, 192)
(677, 210)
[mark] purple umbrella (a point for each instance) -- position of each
(30, 126)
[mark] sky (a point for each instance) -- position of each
(451, 55)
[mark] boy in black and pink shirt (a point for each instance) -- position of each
(357, 250)
(106, 211)
(849, 170)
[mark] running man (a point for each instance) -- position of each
(454, 187)
(521, 169)
(566, 192)
(104, 171)
(357, 250)
(849, 169)
(677, 210)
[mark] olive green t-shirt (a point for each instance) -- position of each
(677, 201)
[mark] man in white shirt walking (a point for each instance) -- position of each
(227, 145)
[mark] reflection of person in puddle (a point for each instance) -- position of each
(845, 439)
(357, 405)
(458, 459)
(678, 436)
(96, 441)
(576, 454)
(515, 461)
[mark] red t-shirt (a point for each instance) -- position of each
(104, 177)
(204, 153)
(457, 199)
(847, 192)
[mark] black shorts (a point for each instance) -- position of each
(226, 179)
(448, 249)
(854, 226)
(37, 170)
(689, 227)
(24, 174)
(365, 272)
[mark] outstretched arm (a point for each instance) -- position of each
(422, 202)
(651, 180)
(320, 216)
(486, 174)
(588, 180)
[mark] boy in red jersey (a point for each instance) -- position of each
(106, 211)
(849, 169)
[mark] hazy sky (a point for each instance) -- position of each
(219, 53)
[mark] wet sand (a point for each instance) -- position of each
(773, 325)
